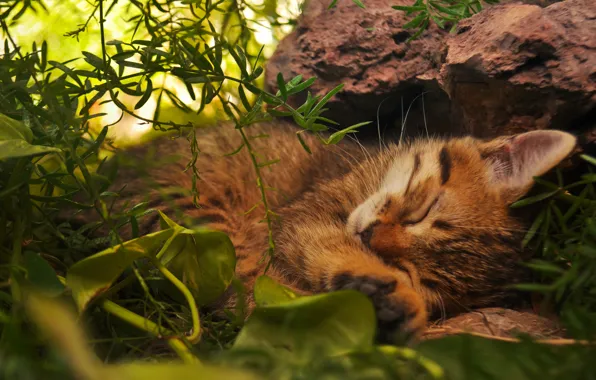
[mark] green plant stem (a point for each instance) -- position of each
(430, 366)
(195, 334)
(175, 343)
(17, 241)
(102, 35)
(261, 186)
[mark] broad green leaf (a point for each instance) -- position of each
(469, 357)
(159, 371)
(203, 259)
(41, 275)
(93, 275)
(205, 262)
(268, 292)
(59, 327)
(21, 148)
(328, 324)
(11, 129)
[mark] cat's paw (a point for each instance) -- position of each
(401, 313)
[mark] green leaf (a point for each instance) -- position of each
(11, 129)
(85, 109)
(41, 275)
(469, 357)
(301, 86)
(416, 21)
(281, 84)
(204, 260)
(257, 73)
(534, 228)
(124, 55)
(325, 99)
(589, 159)
(93, 60)
(303, 143)
(329, 324)
(244, 99)
(59, 327)
(411, 8)
(15, 138)
(267, 292)
(146, 95)
(448, 11)
(545, 266)
(339, 135)
(277, 113)
(90, 277)
(533, 199)
(157, 371)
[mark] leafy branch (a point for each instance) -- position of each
(444, 13)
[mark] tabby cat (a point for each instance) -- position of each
(420, 227)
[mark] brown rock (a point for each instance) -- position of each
(366, 50)
(500, 323)
(516, 67)
(512, 67)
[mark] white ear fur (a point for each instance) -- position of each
(514, 161)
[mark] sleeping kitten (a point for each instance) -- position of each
(419, 227)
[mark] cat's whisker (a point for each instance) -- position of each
(381, 140)
(347, 156)
(424, 116)
(405, 118)
(367, 154)
(403, 122)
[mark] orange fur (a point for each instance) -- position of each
(420, 227)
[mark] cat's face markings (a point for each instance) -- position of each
(436, 192)
(409, 192)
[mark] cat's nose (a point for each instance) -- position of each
(367, 233)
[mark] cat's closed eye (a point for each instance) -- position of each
(420, 216)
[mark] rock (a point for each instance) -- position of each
(498, 322)
(366, 50)
(513, 67)
(516, 67)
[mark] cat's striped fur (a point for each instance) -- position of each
(421, 227)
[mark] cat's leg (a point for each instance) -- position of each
(328, 259)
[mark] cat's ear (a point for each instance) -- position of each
(513, 161)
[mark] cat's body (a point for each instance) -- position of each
(419, 228)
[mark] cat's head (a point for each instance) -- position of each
(441, 211)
